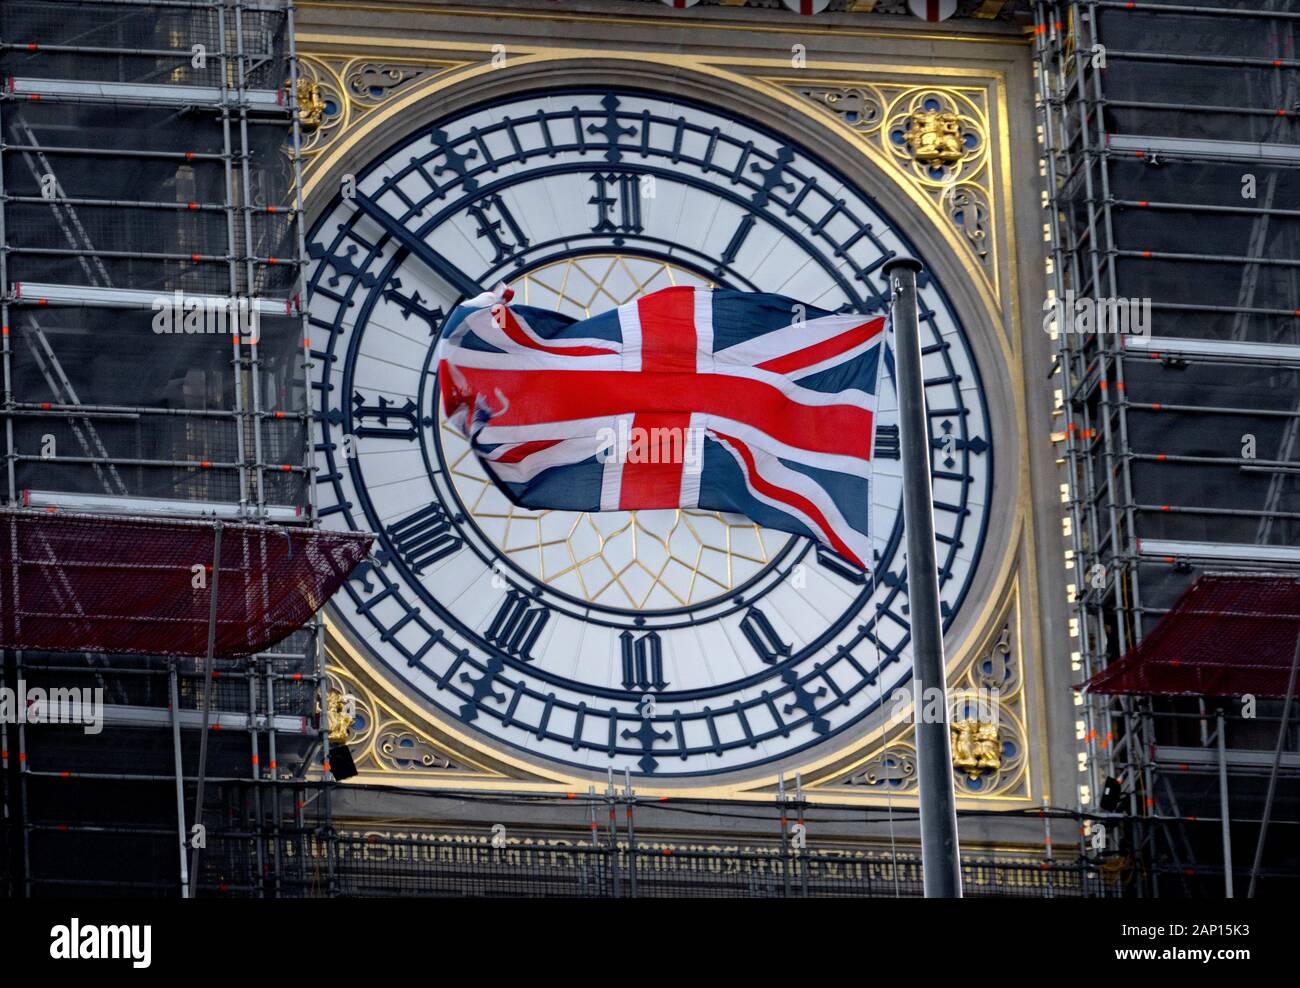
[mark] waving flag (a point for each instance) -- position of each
(686, 398)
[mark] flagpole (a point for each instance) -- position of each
(940, 856)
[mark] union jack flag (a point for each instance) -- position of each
(770, 403)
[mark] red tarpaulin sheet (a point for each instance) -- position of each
(94, 583)
(1228, 635)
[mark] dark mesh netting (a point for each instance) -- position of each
(106, 405)
(283, 401)
(156, 406)
(132, 190)
(60, 130)
(137, 42)
(1264, 124)
(1271, 286)
(1219, 4)
(1208, 183)
(1243, 415)
(111, 584)
(274, 233)
(169, 199)
(1244, 86)
(53, 226)
(1154, 31)
(1210, 440)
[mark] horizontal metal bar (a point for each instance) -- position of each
(114, 411)
(1207, 460)
(1163, 255)
(1286, 353)
(1200, 147)
(230, 669)
(121, 203)
(1236, 552)
(1231, 310)
(134, 298)
(1159, 406)
(1170, 8)
(150, 94)
(1185, 509)
(1201, 207)
(1236, 757)
(130, 461)
(181, 55)
(243, 780)
(155, 256)
(1243, 111)
(152, 155)
(109, 504)
(140, 254)
(269, 8)
(1232, 61)
(48, 413)
(130, 716)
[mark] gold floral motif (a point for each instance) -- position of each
(342, 91)
(986, 706)
(405, 750)
(893, 768)
(1000, 755)
(369, 83)
(950, 130)
(858, 107)
(381, 740)
(938, 136)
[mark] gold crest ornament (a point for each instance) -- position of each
(935, 137)
(341, 714)
(975, 747)
(311, 106)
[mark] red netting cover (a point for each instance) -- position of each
(75, 582)
(1228, 635)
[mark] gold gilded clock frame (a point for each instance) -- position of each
(379, 91)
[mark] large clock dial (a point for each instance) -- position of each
(668, 643)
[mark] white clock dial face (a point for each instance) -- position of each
(673, 644)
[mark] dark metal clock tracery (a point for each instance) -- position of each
(774, 658)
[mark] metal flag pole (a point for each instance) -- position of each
(940, 859)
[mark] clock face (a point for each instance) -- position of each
(672, 644)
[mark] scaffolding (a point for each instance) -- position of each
(156, 366)
(1171, 152)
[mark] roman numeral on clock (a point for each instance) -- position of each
(643, 662)
(424, 537)
(887, 447)
(760, 634)
(394, 421)
(517, 625)
(498, 225)
(621, 190)
(840, 567)
(733, 246)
